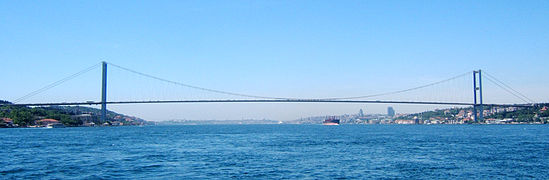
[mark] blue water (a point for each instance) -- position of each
(277, 152)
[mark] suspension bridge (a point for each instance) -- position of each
(477, 90)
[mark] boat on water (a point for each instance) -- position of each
(55, 125)
(331, 121)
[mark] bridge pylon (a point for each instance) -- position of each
(104, 93)
(477, 90)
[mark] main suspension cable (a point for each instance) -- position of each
(508, 89)
(399, 91)
(193, 87)
(56, 83)
(268, 97)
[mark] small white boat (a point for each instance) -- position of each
(55, 125)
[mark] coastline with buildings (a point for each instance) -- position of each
(78, 116)
(536, 114)
(70, 116)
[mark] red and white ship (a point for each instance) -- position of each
(331, 121)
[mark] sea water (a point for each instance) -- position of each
(277, 152)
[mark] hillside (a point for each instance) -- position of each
(18, 116)
(537, 113)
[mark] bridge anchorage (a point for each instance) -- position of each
(477, 104)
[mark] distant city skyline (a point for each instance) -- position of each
(303, 49)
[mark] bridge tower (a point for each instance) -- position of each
(104, 93)
(477, 89)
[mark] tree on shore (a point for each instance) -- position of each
(21, 117)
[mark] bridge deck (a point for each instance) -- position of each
(267, 101)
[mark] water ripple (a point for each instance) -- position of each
(277, 152)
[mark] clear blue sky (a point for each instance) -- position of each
(273, 48)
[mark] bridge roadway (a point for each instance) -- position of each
(269, 101)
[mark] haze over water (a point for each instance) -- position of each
(278, 152)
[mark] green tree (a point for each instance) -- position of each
(21, 117)
(67, 120)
